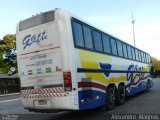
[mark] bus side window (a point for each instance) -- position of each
(149, 59)
(125, 50)
(106, 44)
(137, 56)
(133, 53)
(78, 34)
(140, 57)
(120, 50)
(97, 41)
(129, 52)
(113, 46)
(145, 57)
(88, 37)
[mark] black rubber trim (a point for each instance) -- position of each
(91, 70)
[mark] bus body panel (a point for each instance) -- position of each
(39, 57)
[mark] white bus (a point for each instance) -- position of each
(65, 63)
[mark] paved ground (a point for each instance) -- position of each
(142, 103)
(9, 97)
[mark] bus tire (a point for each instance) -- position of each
(110, 98)
(121, 95)
(148, 86)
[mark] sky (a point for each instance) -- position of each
(111, 16)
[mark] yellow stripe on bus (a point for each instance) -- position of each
(91, 60)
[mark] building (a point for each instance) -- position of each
(9, 84)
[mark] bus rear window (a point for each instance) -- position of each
(37, 20)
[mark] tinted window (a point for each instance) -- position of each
(87, 37)
(133, 53)
(106, 44)
(97, 41)
(78, 34)
(145, 58)
(125, 50)
(113, 47)
(136, 53)
(149, 59)
(140, 57)
(37, 20)
(119, 47)
(129, 52)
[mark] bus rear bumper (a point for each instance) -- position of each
(48, 102)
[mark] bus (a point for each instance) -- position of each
(64, 63)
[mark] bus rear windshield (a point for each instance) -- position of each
(37, 20)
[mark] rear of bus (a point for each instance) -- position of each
(46, 81)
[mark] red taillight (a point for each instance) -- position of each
(67, 81)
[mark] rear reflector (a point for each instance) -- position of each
(67, 81)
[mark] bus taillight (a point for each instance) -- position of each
(67, 81)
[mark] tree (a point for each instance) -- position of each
(156, 63)
(9, 41)
(8, 62)
(2, 46)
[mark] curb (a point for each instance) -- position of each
(9, 94)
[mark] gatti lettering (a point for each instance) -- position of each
(36, 38)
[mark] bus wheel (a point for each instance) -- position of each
(148, 86)
(121, 95)
(110, 98)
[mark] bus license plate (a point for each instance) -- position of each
(42, 102)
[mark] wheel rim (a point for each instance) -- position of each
(111, 97)
(122, 94)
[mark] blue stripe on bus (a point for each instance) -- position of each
(135, 89)
(89, 99)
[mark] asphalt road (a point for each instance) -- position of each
(9, 97)
(141, 103)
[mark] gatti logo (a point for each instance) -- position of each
(36, 38)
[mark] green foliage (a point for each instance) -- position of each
(6, 44)
(2, 46)
(4, 68)
(9, 41)
(156, 64)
